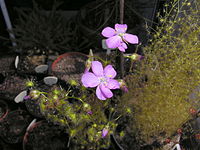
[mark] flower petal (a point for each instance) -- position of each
(104, 132)
(113, 84)
(27, 97)
(113, 42)
(108, 32)
(133, 39)
(124, 45)
(97, 68)
(89, 80)
(106, 91)
(125, 89)
(109, 71)
(121, 48)
(100, 94)
(121, 28)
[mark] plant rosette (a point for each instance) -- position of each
(13, 126)
(32, 100)
(87, 128)
(33, 107)
(45, 135)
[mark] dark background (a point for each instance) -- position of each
(146, 8)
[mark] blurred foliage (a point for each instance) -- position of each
(40, 29)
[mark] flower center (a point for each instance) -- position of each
(103, 80)
(121, 34)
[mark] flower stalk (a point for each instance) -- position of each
(121, 22)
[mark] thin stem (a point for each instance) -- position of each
(76, 98)
(118, 117)
(105, 62)
(131, 67)
(43, 93)
(121, 22)
(121, 11)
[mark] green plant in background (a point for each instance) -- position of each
(40, 29)
(159, 90)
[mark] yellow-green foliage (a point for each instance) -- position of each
(172, 68)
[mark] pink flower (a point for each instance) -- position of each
(27, 97)
(104, 132)
(101, 78)
(89, 112)
(118, 38)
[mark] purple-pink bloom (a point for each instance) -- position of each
(118, 38)
(27, 97)
(125, 89)
(89, 112)
(140, 57)
(101, 78)
(104, 132)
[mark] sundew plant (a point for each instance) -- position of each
(86, 112)
(160, 89)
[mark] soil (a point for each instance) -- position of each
(27, 64)
(69, 66)
(13, 126)
(12, 86)
(7, 64)
(44, 135)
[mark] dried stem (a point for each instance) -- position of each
(121, 11)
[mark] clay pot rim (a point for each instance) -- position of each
(65, 55)
(6, 110)
(34, 125)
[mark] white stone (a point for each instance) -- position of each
(20, 97)
(41, 68)
(16, 61)
(50, 80)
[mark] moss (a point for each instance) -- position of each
(172, 69)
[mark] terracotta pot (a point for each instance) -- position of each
(3, 110)
(30, 129)
(42, 135)
(69, 66)
(13, 126)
